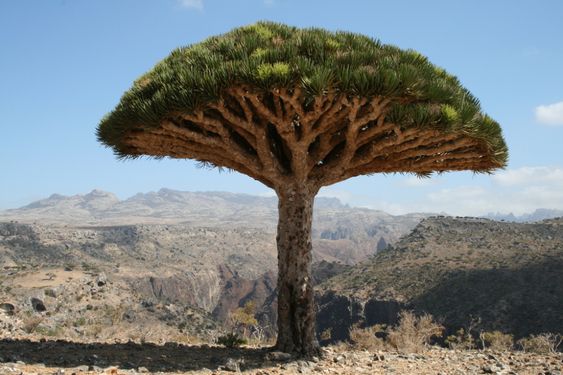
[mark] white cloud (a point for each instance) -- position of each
(526, 176)
(518, 191)
(269, 2)
(550, 114)
(193, 4)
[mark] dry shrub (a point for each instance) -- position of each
(366, 339)
(31, 323)
(497, 340)
(462, 340)
(464, 337)
(413, 334)
(544, 343)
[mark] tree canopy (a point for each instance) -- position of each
(406, 114)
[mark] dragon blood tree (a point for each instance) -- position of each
(298, 109)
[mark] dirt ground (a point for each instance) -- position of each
(62, 357)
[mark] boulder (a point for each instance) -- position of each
(8, 308)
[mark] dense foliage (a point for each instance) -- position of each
(269, 55)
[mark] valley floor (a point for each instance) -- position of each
(62, 357)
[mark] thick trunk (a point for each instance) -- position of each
(296, 314)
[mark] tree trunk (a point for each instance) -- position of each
(296, 313)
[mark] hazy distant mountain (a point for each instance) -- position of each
(163, 207)
(538, 215)
(340, 233)
(208, 251)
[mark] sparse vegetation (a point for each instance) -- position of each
(497, 340)
(30, 323)
(242, 320)
(543, 343)
(412, 334)
(461, 340)
(231, 340)
(90, 267)
(366, 338)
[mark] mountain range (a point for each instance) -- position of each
(507, 276)
(538, 215)
(180, 262)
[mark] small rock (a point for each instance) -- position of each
(278, 356)
(8, 308)
(50, 293)
(101, 280)
(82, 368)
(339, 358)
(378, 357)
(143, 369)
(492, 369)
(303, 367)
(232, 365)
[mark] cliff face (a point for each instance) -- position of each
(507, 274)
(163, 263)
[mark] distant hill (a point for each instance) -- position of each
(340, 233)
(508, 274)
(167, 252)
(538, 215)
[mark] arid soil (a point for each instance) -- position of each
(61, 357)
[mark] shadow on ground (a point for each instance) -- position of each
(167, 357)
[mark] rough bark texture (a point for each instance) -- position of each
(296, 313)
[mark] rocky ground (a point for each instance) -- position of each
(62, 357)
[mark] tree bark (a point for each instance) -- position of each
(296, 313)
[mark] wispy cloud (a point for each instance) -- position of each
(269, 3)
(192, 4)
(530, 176)
(519, 191)
(550, 114)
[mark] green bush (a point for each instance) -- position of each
(231, 340)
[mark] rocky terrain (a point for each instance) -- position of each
(146, 285)
(197, 257)
(507, 276)
(61, 357)
(341, 233)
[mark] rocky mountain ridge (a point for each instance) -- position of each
(340, 232)
(205, 252)
(509, 276)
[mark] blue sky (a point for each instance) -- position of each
(65, 63)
